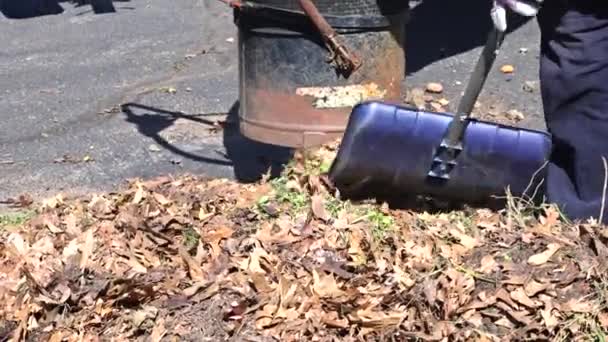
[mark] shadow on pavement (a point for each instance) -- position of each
(439, 29)
(24, 9)
(250, 159)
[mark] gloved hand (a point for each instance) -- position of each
(528, 8)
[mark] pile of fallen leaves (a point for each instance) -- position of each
(209, 260)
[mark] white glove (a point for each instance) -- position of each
(528, 8)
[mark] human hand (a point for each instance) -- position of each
(528, 8)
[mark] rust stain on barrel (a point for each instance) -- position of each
(287, 114)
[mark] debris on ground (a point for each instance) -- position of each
(507, 69)
(416, 97)
(514, 115)
(154, 148)
(342, 96)
(443, 101)
(434, 87)
(285, 259)
(530, 86)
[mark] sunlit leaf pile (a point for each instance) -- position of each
(196, 259)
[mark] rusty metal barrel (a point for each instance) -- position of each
(289, 93)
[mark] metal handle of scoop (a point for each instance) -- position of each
(444, 160)
(474, 86)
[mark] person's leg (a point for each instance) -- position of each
(574, 86)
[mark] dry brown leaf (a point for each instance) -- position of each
(403, 278)
(194, 270)
(57, 336)
(580, 306)
(430, 290)
(204, 216)
(377, 319)
(136, 266)
(100, 206)
(549, 319)
(161, 199)
(260, 283)
(71, 225)
(253, 263)
(139, 194)
(48, 222)
(267, 233)
(542, 258)
(520, 296)
(532, 288)
(53, 202)
(467, 241)
(355, 248)
(16, 241)
(265, 317)
(159, 331)
(318, 207)
(487, 264)
(214, 238)
(146, 312)
(520, 316)
(287, 292)
(505, 296)
(602, 317)
(505, 322)
(325, 286)
(332, 320)
(87, 248)
(549, 220)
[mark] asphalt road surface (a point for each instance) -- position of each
(64, 76)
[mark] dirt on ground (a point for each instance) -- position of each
(195, 259)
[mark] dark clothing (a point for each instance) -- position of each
(574, 86)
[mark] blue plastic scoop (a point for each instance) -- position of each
(395, 150)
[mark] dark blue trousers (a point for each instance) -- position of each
(574, 87)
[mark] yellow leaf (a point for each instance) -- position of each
(507, 69)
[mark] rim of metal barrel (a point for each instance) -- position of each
(287, 16)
